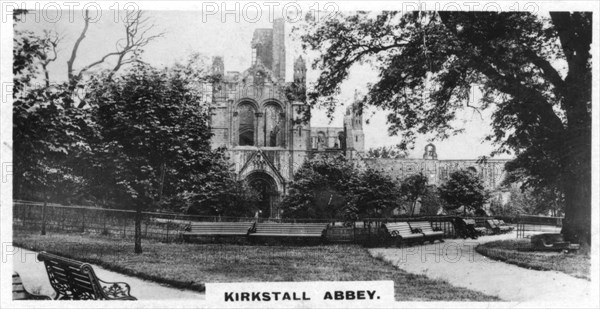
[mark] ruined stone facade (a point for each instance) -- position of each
(438, 171)
(261, 121)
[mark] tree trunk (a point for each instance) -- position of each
(163, 168)
(138, 230)
(578, 212)
(44, 213)
(46, 75)
(412, 208)
(577, 164)
(576, 38)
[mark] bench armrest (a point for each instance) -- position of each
(115, 289)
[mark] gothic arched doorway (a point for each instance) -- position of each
(266, 188)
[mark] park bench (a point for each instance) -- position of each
(19, 292)
(504, 228)
(427, 230)
(503, 225)
(467, 228)
(480, 226)
(218, 228)
(552, 242)
(492, 226)
(403, 232)
(75, 280)
(270, 229)
(495, 226)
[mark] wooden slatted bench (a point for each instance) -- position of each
(19, 292)
(510, 227)
(495, 226)
(471, 226)
(75, 280)
(268, 229)
(492, 226)
(402, 231)
(503, 227)
(425, 228)
(480, 226)
(218, 229)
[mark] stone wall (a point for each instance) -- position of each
(492, 172)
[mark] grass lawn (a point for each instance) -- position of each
(190, 265)
(575, 264)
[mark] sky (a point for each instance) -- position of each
(187, 32)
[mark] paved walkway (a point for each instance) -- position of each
(35, 279)
(457, 262)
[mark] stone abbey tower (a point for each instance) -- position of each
(262, 120)
(264, 124)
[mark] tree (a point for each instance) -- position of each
(138, 33)
(319, 189)
(383, 152)
(154, 141)
(430, 62)
(222, 195)
(28, 53)
(237, 199)
(375, 194)
(137, 36)
(332, 187)
(413, 187)
(48, 144)
(48, 140)
(531, 202)
(463, 189)
(431, 203)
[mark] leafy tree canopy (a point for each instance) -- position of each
(412, 188)
(141, 141)
(332, 187)
(154, 140)
(431, 203)
(319, 187)
(463, 189)
(531, 202)
(49, 141)
(532, 72)
(375, 194)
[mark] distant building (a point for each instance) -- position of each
(264, 123)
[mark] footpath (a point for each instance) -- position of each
(457, 262)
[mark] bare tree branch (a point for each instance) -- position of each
(76, 47)
(134, 22)
(137, 36)
(52, 40)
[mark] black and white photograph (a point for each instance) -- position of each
(238, 154)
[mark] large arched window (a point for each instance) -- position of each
(274, 125)
(246, 115)
(321, 139)
(342, 139)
